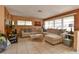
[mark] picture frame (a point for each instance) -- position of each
(37, 23)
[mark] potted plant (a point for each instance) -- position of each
(2, 43)
(1, 40)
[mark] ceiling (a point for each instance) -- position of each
(39, 11)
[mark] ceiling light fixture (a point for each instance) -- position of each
(39, 10)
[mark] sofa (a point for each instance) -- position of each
(54, 36)
(28, 32)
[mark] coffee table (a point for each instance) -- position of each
(36, 36)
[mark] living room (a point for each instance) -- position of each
(40, 29)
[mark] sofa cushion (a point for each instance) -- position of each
(54, 36)
(56, 31)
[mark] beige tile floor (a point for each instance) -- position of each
(27, 46)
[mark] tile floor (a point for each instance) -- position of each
(27, 46)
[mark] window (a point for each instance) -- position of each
(13, 23)
(58, 24)
(20, 22)
(24, 22)
(68, 23)
(49, 24)
(62, 23)
(28, 22)
(46, 24)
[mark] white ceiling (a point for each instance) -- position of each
(32, 10)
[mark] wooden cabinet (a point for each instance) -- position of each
(12, 38)
(68, 40)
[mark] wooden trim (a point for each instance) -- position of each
(62, 14)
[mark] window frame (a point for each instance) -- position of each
(24, 23)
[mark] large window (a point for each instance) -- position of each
(68, 23)
(49, 24)
(46, 24)
(62, 23)
(24, 22)
(28, 22)
(58, 24)
(20, 22)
